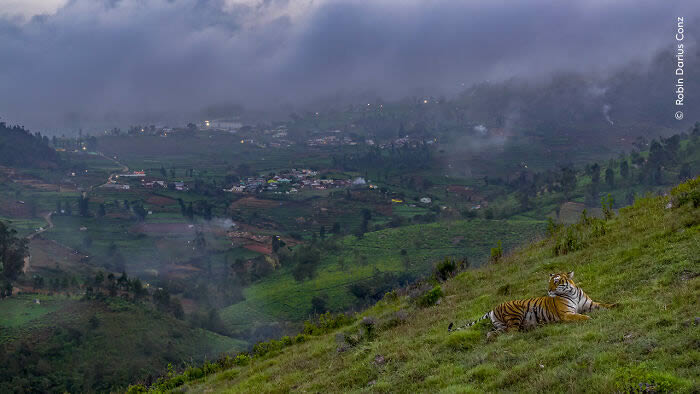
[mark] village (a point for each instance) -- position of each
(291, 181)
(287, 182)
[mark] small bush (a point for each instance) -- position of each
(577, 236)
(326, 323)
(448, 268)
(687, 192)
(136, 389)
(286, 340)
(300, 338)
(242, 359)
(552, 227)
(193, 373)
(496, 253)
(431, 297)
(368, 324)
(607, 206)
(263, 348)
(396, 319)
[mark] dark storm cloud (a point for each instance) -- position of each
(116, 60)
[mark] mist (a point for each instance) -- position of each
(102, 63)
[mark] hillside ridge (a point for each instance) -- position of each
(644, 259)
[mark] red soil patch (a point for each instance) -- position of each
(47, 253)
(160, 200)
(254, 203)
(259, 248)
(188, 305)
(14, 209)
(178, 271)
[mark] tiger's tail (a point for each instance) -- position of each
(467, 325)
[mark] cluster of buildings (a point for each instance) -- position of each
(288, 182)
(146, 182)
(331, 140)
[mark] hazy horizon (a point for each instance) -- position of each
(87, 63)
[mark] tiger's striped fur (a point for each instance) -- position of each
(565, 302)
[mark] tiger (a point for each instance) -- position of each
(564, 302)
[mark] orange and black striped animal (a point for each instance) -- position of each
(565, 302)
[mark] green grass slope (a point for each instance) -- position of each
(646, 260)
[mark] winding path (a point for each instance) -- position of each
(47, 216)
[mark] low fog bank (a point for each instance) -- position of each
(96, 64)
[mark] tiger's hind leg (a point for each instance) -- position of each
(571, 317)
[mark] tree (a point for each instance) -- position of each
(137, 288)
(685, 172)
(13, 250)
(101, 211)
(200, 243)
(99, 278)
(318, 305)
(595, 173)
(307, 259)
(322, 232)
(190, 211)
(568, 181)
(162, 172)
(84, 205)
(523, 197)
(624, 169)
(161, 299)
(610, 177)
(275, 243)
(123, 281)
(140, 211)
(657, 154)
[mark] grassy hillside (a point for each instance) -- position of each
(64, 343)
(645, 259)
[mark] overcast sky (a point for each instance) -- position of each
(65, 60)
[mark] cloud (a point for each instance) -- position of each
(112, 61)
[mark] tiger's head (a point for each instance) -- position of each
(560, 283)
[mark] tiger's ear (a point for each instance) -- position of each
(570, 274)
(551, 275)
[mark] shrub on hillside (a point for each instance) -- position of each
(496, 253)
(325, 323)
(448, 268)
(687, 192)
(578, 235)
(430, 298)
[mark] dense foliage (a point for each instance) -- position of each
(18, 147)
